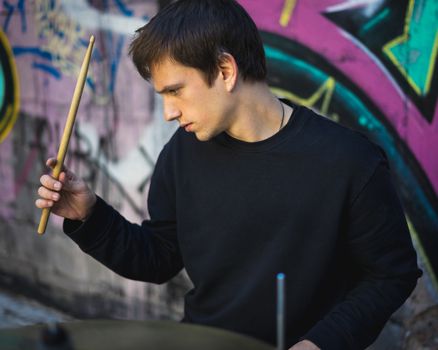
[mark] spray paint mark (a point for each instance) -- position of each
(9, 89)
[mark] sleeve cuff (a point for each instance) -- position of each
(90, 231)
(326, 338)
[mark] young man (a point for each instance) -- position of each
(250, 186)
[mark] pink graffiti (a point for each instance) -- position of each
(27, 168)
(309, 27)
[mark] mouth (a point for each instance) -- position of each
(186, 126)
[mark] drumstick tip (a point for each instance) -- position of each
(92, 39)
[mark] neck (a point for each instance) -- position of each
(258, 114)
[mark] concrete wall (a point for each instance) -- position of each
(367, 64)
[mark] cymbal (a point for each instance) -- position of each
(127, 335)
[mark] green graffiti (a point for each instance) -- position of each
(2, 86)
(381, 17)
(414, 52)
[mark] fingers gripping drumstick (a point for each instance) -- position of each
(68, 127)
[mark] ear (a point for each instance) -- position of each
(228, 71)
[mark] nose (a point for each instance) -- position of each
(171, 112)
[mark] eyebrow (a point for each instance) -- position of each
(168, 88)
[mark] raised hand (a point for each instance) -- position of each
(69, 197)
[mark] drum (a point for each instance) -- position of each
(126, 335)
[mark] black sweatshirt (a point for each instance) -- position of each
(315, 201)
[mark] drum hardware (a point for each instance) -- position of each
(128, 335)
(55, 337)
(281, 301)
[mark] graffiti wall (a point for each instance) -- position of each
(118, 135)
(49, 39)
(369, 64)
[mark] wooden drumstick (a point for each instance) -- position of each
(68, 128)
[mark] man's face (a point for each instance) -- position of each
(199, 108)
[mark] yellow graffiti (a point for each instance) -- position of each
(325, 91)
(419, 248)
(432, 66)
(62, 36)
(404, 38)
(8, 119)
(286, 13)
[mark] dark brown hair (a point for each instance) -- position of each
(195, 33)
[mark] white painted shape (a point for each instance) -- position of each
(130, 170)
(92, 19)
(371, 6)
(88, 132)
(157, 133)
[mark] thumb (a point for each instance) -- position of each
(51, 163)
(69, 180)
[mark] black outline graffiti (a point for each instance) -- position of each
(380, 34)
(11, 103)
(425, 228)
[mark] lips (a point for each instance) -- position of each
(186, 126)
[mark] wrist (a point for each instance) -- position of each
(305, 345)
(90, 208)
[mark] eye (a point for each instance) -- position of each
(173, 92)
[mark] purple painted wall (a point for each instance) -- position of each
(309, 26)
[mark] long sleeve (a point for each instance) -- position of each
(380, 245)
(147, 252)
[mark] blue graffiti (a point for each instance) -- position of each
(10, 9)
(115, 60)
(48, 69)
(122, 7)
(20, 50)
(22, 10)
(91, 83)
(115, 44)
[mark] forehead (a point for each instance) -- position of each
(169, 72)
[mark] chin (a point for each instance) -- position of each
(203, 136)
